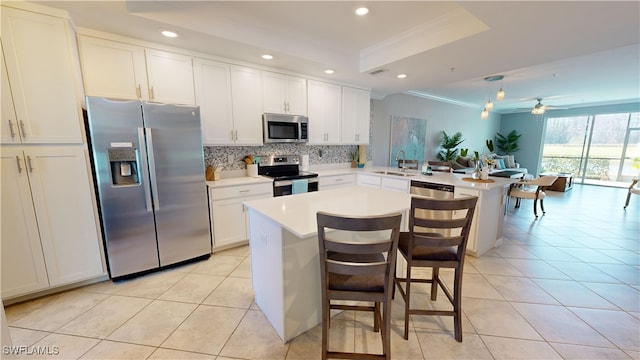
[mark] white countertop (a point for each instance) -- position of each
(297, 213)
(437, 177)
(236, 181)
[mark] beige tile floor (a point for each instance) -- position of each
(566, 286)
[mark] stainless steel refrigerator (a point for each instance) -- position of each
(149, 169)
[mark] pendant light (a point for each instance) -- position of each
(484, 115)
(500, 94)
(488, 105)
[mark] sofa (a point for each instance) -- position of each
(503, 164)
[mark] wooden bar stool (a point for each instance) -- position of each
(437, 238)
(358, 265)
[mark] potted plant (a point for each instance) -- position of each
(354, 159)
(490, 145)
(449, 144)
(508, 144)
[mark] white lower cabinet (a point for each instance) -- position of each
(369, 180)
(228, 216)
(50, 233)
(401, 185)
(473, 234)
(383, 182)
(335, 181)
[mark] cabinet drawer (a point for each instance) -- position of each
(240, 191)
(336, 180)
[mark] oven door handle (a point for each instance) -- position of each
(279, 183)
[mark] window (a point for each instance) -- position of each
(601, 149)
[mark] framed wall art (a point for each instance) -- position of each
(407, 134)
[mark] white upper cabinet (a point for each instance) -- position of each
(213, 95)
(355, 115)
(41, 63)
(246, 97)
(170, 77)
(284, 94)
(123, 71)
(113, 69)
(324, 103)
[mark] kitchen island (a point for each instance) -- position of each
(285, 267)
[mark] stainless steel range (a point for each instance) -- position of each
(286, 174)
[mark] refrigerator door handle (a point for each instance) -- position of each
(145, 170)
(152, 170)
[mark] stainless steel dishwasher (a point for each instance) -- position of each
(431, 190)
(434, 191)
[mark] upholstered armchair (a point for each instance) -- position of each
(532, 189)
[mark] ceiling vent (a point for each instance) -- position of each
(377, 71)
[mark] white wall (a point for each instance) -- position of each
(440, 116)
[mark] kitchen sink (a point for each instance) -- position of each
(395, 173)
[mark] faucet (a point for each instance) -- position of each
(403, 158)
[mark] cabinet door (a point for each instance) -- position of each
(284, 94)
(113, 69)
(274, 92)
(39, 52)
(472, 244)
(369, 180)
(296, 95)
(8, 129)
(246, 95)
(229, 224)
(62, 197)
(22, 267)
(355, 116)
(213, 95)
(324, 111)
(401, 185)
(170, 77)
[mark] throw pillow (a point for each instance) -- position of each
(512, 161)
(500, 164)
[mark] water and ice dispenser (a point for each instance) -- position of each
(124, 166)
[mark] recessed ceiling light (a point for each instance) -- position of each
(169, 34)
(267, 57)
(361, 11)
(329, 71)
(402, 76)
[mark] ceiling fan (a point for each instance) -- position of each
(539, 108)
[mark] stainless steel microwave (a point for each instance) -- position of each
(282, 128)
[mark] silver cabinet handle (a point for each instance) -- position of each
(13, 133)
(145, 170)
(24, 133)
(19, 166)
(152, 170)
(244, 191)
(29, 164)
(138, 91)
(151, 93)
